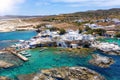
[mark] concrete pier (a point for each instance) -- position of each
(14, 52)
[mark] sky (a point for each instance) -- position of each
(53, 7)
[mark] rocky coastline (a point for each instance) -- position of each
(4, 64)
(8, 60)
(107, 48)
(112, 52)
(101, 61)
(64, 73)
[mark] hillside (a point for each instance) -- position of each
(88, 15)
(66, 21)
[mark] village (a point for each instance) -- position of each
(48, 35)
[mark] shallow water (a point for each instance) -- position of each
(111, 40)
(44, 60)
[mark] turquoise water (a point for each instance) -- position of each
(50, 59)
(111, 40)
(44, 60)
(17, 35)
(6, 38)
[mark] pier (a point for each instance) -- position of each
(14, 52)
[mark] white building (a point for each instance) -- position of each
(49, 26)
(74, 35)
(94, 26)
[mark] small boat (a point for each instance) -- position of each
(43, 49)
(28, 55)
(118, 38)
(24, 53)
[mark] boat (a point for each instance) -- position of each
(43, 49)
(28, 55)
(24, 53)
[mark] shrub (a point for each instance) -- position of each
(80, 30)
(117, 35)
(62, 31)
(87, 28)
(97, 31)
(54, 29)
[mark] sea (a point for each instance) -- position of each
(50, 58)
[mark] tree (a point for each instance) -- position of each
(80, 30)
(99, 31)
(54, 29)
(62, 31)
(87, 28)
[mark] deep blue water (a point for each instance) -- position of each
(49, 59)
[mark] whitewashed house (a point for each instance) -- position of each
(80, 20)
(74, 35)
(94, 26)
(88, 37)
(73, 45)
(116, 20)
(49, 26)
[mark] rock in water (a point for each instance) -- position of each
(65, 73)
(3, 78)
(4, 64)
(101, 61)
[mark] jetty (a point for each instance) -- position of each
(14, 52)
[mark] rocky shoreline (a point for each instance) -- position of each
(4, 64)
(101, 61)
(112, 52)
(8, 60)
(64, 73)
